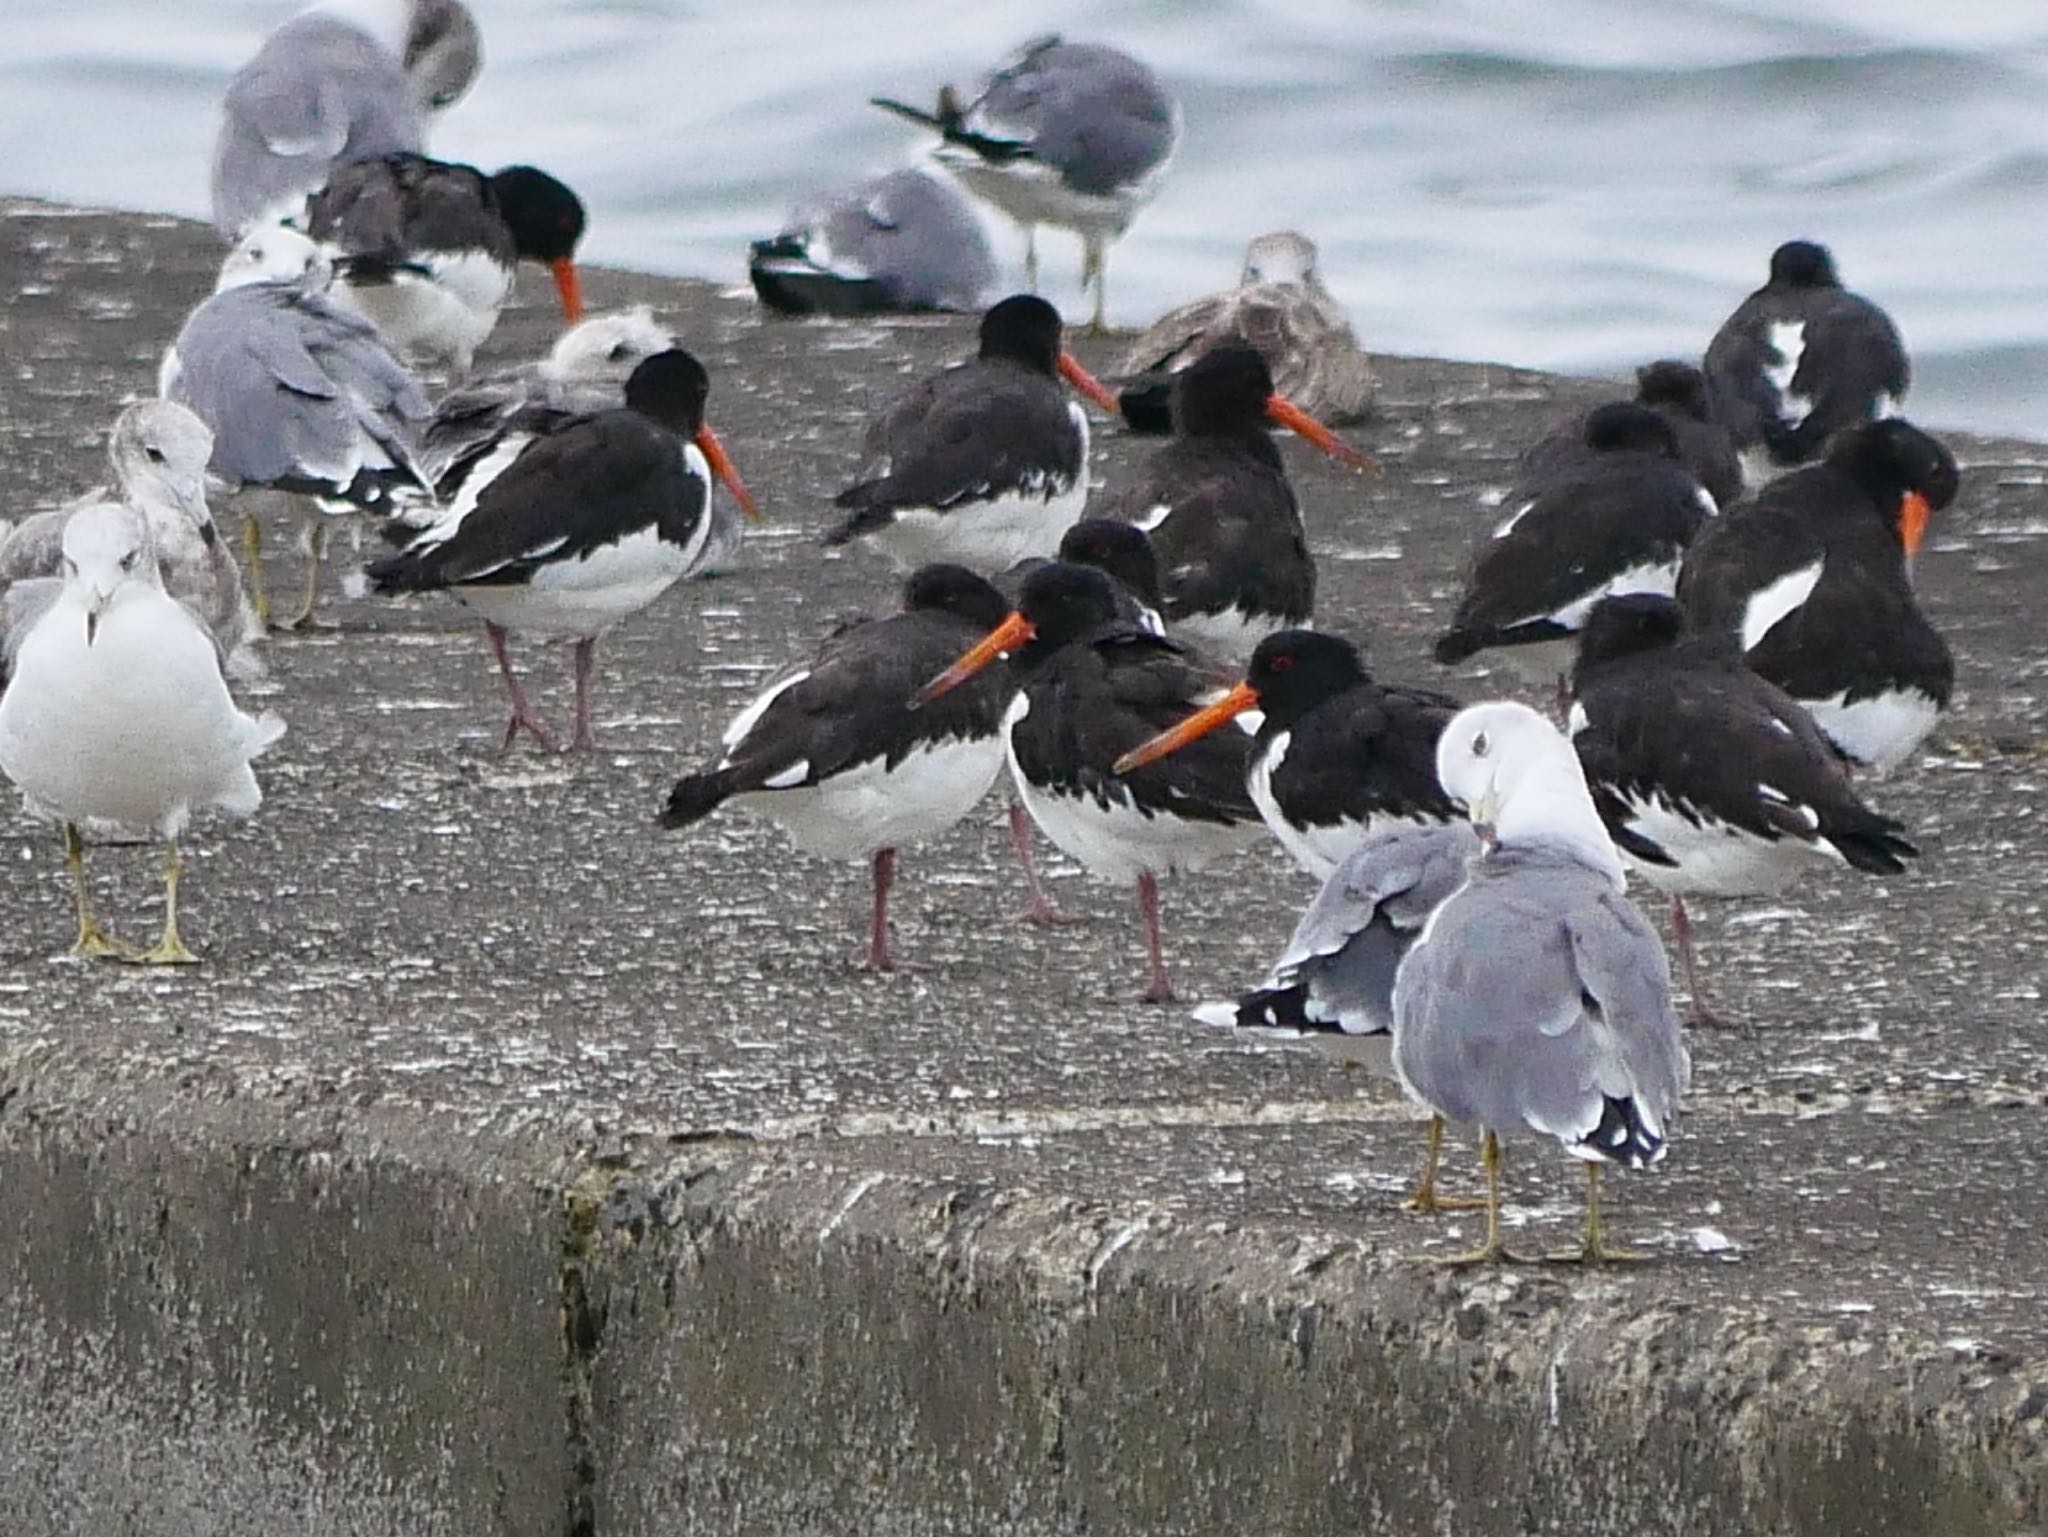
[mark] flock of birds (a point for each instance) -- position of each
(1715, 577)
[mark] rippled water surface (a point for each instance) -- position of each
(1569, 183)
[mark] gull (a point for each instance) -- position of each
(116, 712)
(902, 241)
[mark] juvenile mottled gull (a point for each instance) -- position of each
(117, 713)
(895, 242)
(1537, 1000)
(301, 395)
(1069, 134)
(1333, 986)
(1280, 307)
(159, 453)
(340, 80)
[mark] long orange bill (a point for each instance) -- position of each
(721, 466)
(1241, 698)
(1286, 413)
(1004, 638)
(1913, 515)
(1082, 380)
(569, 287)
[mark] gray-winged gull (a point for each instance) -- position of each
(1333, 986)
(899, 241)
(1537, 1000)
(302, 396)
(158, 451)
(338, 81)
(1069, 134)
(117, 714)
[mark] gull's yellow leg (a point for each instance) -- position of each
(316, 554)
(92, 939)
(170, 949)
(1594, 1250)
(1424, 1199)
(1492, 1251)
(252, 562)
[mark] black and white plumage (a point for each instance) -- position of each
(834, 752)
(1091, 688)
(1801, 359)
(340, 80)
(985, 463)
(1069, 134)
(1340, 760)
(1614, 520)
(899, 242)
(1220, 511)
(1677, 392)
(426, 249)
(1711, 780)
(1811, 581)
(1537, 1000)
(1281, 308)
(571, 522)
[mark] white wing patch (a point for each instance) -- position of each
(1774, 600)
(744, 722)
(1787, 338)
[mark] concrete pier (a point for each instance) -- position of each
(513, 1167)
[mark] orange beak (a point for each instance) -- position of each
(1082, 380)
(1285, 413)
(1005, 637)
(569, 286)
(721, 466)
(1913, 515)
(1242, 697)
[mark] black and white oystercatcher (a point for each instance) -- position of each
(986, 462)
(1616, 520)
(570, 523)
(1340, 760)
(1233, 555)
(1811, 581)
(1069, 134)
(1711, 780)
(1677, 392)
(427, 249)
(834, 751)
(1801, 359)
(1091, 689)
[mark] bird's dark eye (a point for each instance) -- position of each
(1255, 274)
(1480, 746)
(128, 561)
(619, 354)
(156, 455)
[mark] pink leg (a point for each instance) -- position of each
(878, 937)
(586, 664)
(522, 711)
(1702, 1017)
(1042, 909)
(1158, 986)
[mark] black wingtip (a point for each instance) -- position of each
(1621, 1137)
(693, 799)
(915, 114)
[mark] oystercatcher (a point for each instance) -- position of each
(1811, 581)
(1069, 134)
(984, 463)
(426, 248)
(1537, 1000)
(1711, 780)
(1801, 359)
(1615, 520)
(1333, 987)
(1090, 689)
(1220, 511)
(1677, 392)
(903, 241)
(1280, 307)
(572, 522)
(833, 750)
(1340, 760)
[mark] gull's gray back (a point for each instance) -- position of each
(913, 233)
(1099, 116)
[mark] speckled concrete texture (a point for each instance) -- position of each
(512, 1166)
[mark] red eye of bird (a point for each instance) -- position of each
(1282, 662)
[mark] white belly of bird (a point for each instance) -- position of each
(446, 312)
(1716, 859)
(583, 597)
(1032, 192)
(1880, 732)
(1318, 850)
(1117, 841)
(1232, 635)
(871, 807)
(135, 729)
(990, 535)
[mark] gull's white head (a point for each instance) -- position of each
(607, 347)
(106, 549)
(159, 451)
(273, 253)
(1520, 781)
(1280, 257)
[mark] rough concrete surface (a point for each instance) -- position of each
(513, 1167)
